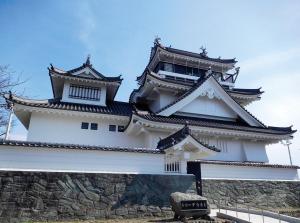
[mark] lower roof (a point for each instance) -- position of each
(112, 108)
(76, 146)
(252, 164)
(213, 123)
(127, 109)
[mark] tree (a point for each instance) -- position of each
(7, 85)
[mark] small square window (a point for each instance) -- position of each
(94, 126)
(121, 128)
(112, 128)
(84, 125)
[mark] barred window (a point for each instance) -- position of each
(173, 167)
(84, 92)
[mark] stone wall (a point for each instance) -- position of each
(265, 194)
(44, 196)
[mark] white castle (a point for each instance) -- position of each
(185, 117)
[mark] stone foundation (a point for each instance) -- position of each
(265, 194)
(44, 196)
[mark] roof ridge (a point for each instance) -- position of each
(180, 135)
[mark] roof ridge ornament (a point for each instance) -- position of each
(157, 42)
(204, 51)
(88, 60)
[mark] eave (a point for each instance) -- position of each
(170, 124)
(70, 147)
(23, 109)
(199, 61)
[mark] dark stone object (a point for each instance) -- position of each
(186, 205)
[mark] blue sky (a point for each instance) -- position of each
(264, 36)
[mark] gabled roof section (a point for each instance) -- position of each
(195, 92)
(87, 67)
(178, 137)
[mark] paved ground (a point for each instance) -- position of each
(253, 217)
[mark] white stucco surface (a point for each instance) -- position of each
(213, 171)
(44, 159)
(67, 129)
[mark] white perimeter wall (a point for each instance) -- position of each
(67, 129)
(67, 160)
(211, 171)
(43, 159)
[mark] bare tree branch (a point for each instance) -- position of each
(8, 82)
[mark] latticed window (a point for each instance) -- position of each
(173, 167)
(84, 92)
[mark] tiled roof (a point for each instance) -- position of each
(245, 91)
(191, 83)
(201, 122)
(76, 146)
(70, 73)
(108, 79)
(126, 109)
(195, 55)
(178, 136)
(253, 164)
(112, 108)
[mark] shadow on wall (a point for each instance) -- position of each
(154, 189)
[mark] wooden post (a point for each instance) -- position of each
(195, 168)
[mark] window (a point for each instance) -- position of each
(121, 128)
(168, 67)
(84, 125)
(84, 92)
(112, 128)
(94, 126)
(172, 167)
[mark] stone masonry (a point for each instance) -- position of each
(26, 196)
(264, 194)
(41, 196)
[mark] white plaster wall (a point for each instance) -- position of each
(255, 151)
(205, 106)
(65, 96)
(211, 171)
(43, 159)
(67, 129)
(163, 99)
(233, 151)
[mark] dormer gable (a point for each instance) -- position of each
(208, 88)
(83, 85)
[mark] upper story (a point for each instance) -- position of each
(171, 72)
(83, 85)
